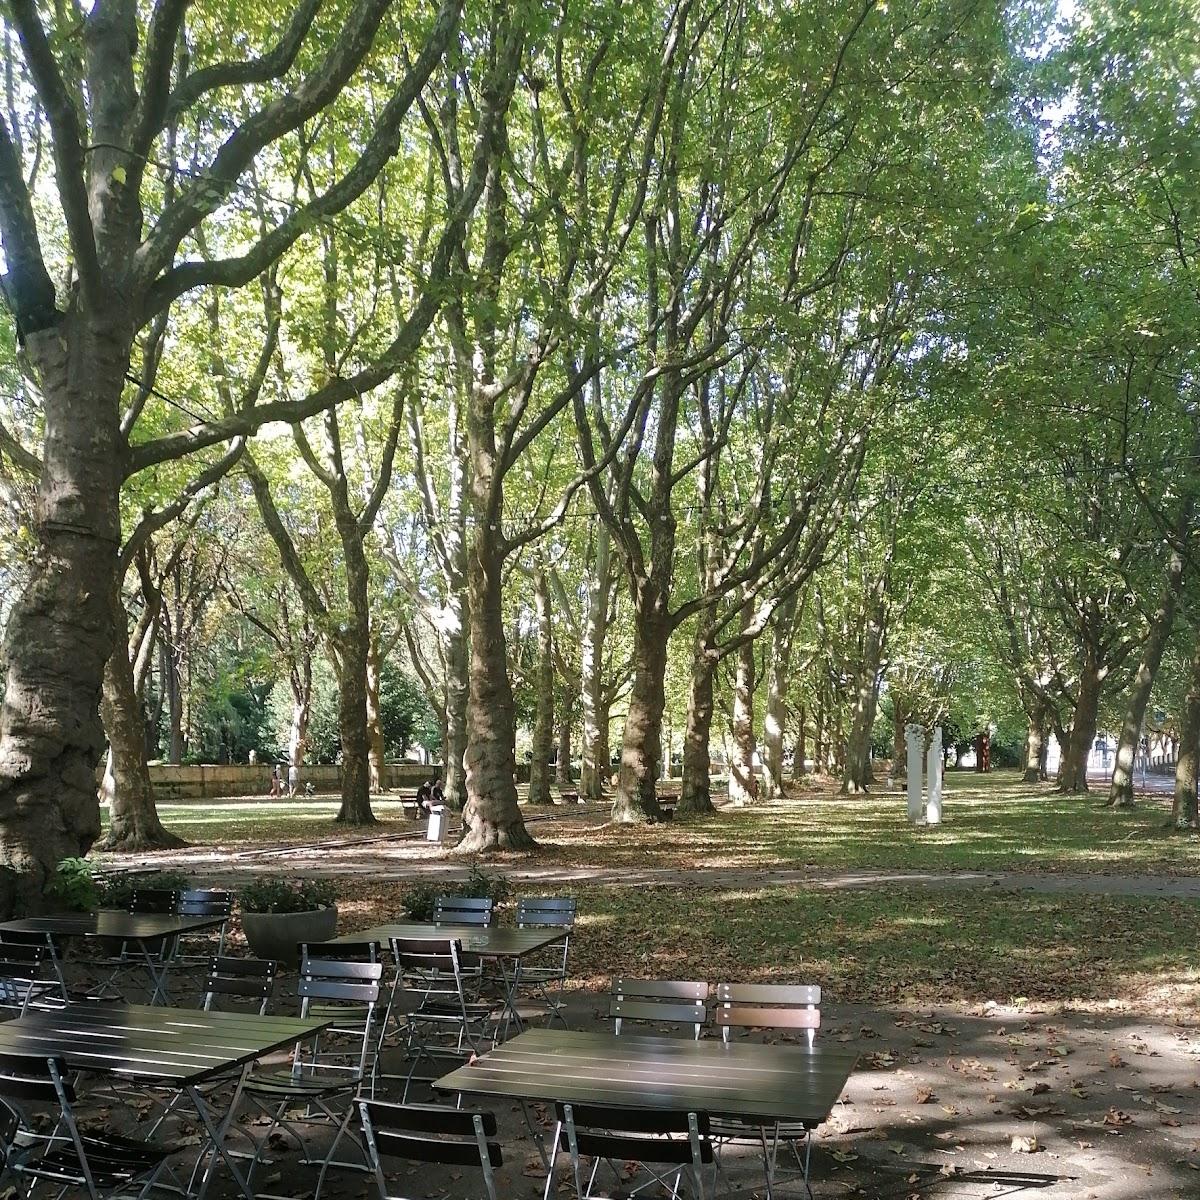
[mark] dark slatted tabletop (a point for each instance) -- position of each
(169, 1045)
(490, 941)
(113, 922)
(736, 1079)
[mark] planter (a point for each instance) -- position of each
(277, 935)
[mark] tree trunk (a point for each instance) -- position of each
(594, 769)
(353, 648)
(1187, 765)
(1072, 771)
(1035, 750)
(776, 715)
(491, 818)
(800, 753)
(866, 695)
(821, 734)
(1120, 792)
(543, 721)
(133, 823)
(377, 774)
(641, 745)
(562, 769)
(898, 776)
(301, 680)
(695, 797)
(60, 631)
(174, 688)
(742, 786)
(458, 688)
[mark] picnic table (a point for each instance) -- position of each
(503, 944)
(174, 1048)
(146, 931)
(740, 1080)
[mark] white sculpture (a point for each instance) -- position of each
(914, 739)
(933, 808)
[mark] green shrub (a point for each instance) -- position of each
(117, 890)
(286, 895)
(74, 887)
(419, 898)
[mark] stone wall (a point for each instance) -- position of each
(244, 779)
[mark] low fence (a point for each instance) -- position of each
(254, 779)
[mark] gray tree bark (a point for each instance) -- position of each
(1120, 792)
(1187, 765)
(778, 672)
(743, 788)
(543, 721)
(695, 797)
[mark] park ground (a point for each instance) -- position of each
(1027, 970)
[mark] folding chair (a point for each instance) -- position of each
(243, 982)
(661, 1001)
(331, 1069)
(463, 910)
(102, 1164)
(444, 1017)
(204, 902)
(29, 976)
(430, 1133)
(550, 973)
(772, 1007)
(675, 1141)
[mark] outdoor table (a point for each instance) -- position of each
(142, 929)
(501, 943)
(761, 1083)
(175, 1048)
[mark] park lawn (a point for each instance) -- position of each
(242, 823)
(990, 823)
(894, 945)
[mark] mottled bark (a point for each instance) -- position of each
(543, 721)
(641, 745)
(594, 769)
(776, 712)
(566, 716)
(1120, 791)
(1187, 765)
(857, 774)
(302, 684)
(1036, 748)
(800, 753)
(376, 773)
(1072, 771)
(743, 788)
(134, 822)
(695, 798)
(60, 631)
(898, 775)
(458, 688)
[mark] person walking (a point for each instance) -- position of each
(293, 779)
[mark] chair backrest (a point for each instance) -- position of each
(463, 910)
(153, 900)
(339, 951)
(431, 1133)
(638, 1135)
(350, 991)
(204, 902)
(246, 979)
(22, 967)
(430, 956)
(544, 911)
(666, 1001)
(35, 1078)
(768, 1006)
(334, 979)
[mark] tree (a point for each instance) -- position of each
(114, 103)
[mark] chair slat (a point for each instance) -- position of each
(636, 1010)
(428, 1118)
(749, 1016)
(639, 1149)
(768, 993)
(675, 989)
(436, 1150)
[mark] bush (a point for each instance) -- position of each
(286, 895)
(74, 887)
(117, 891)
(419, 899)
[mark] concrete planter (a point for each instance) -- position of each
(277, 935)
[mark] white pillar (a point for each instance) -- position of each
(914, 739)
(933, 810)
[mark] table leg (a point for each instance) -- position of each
(510, 999)
(158, 977)
(217, 1136)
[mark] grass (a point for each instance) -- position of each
(242, 823)
(990, 823)
(905, 945)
